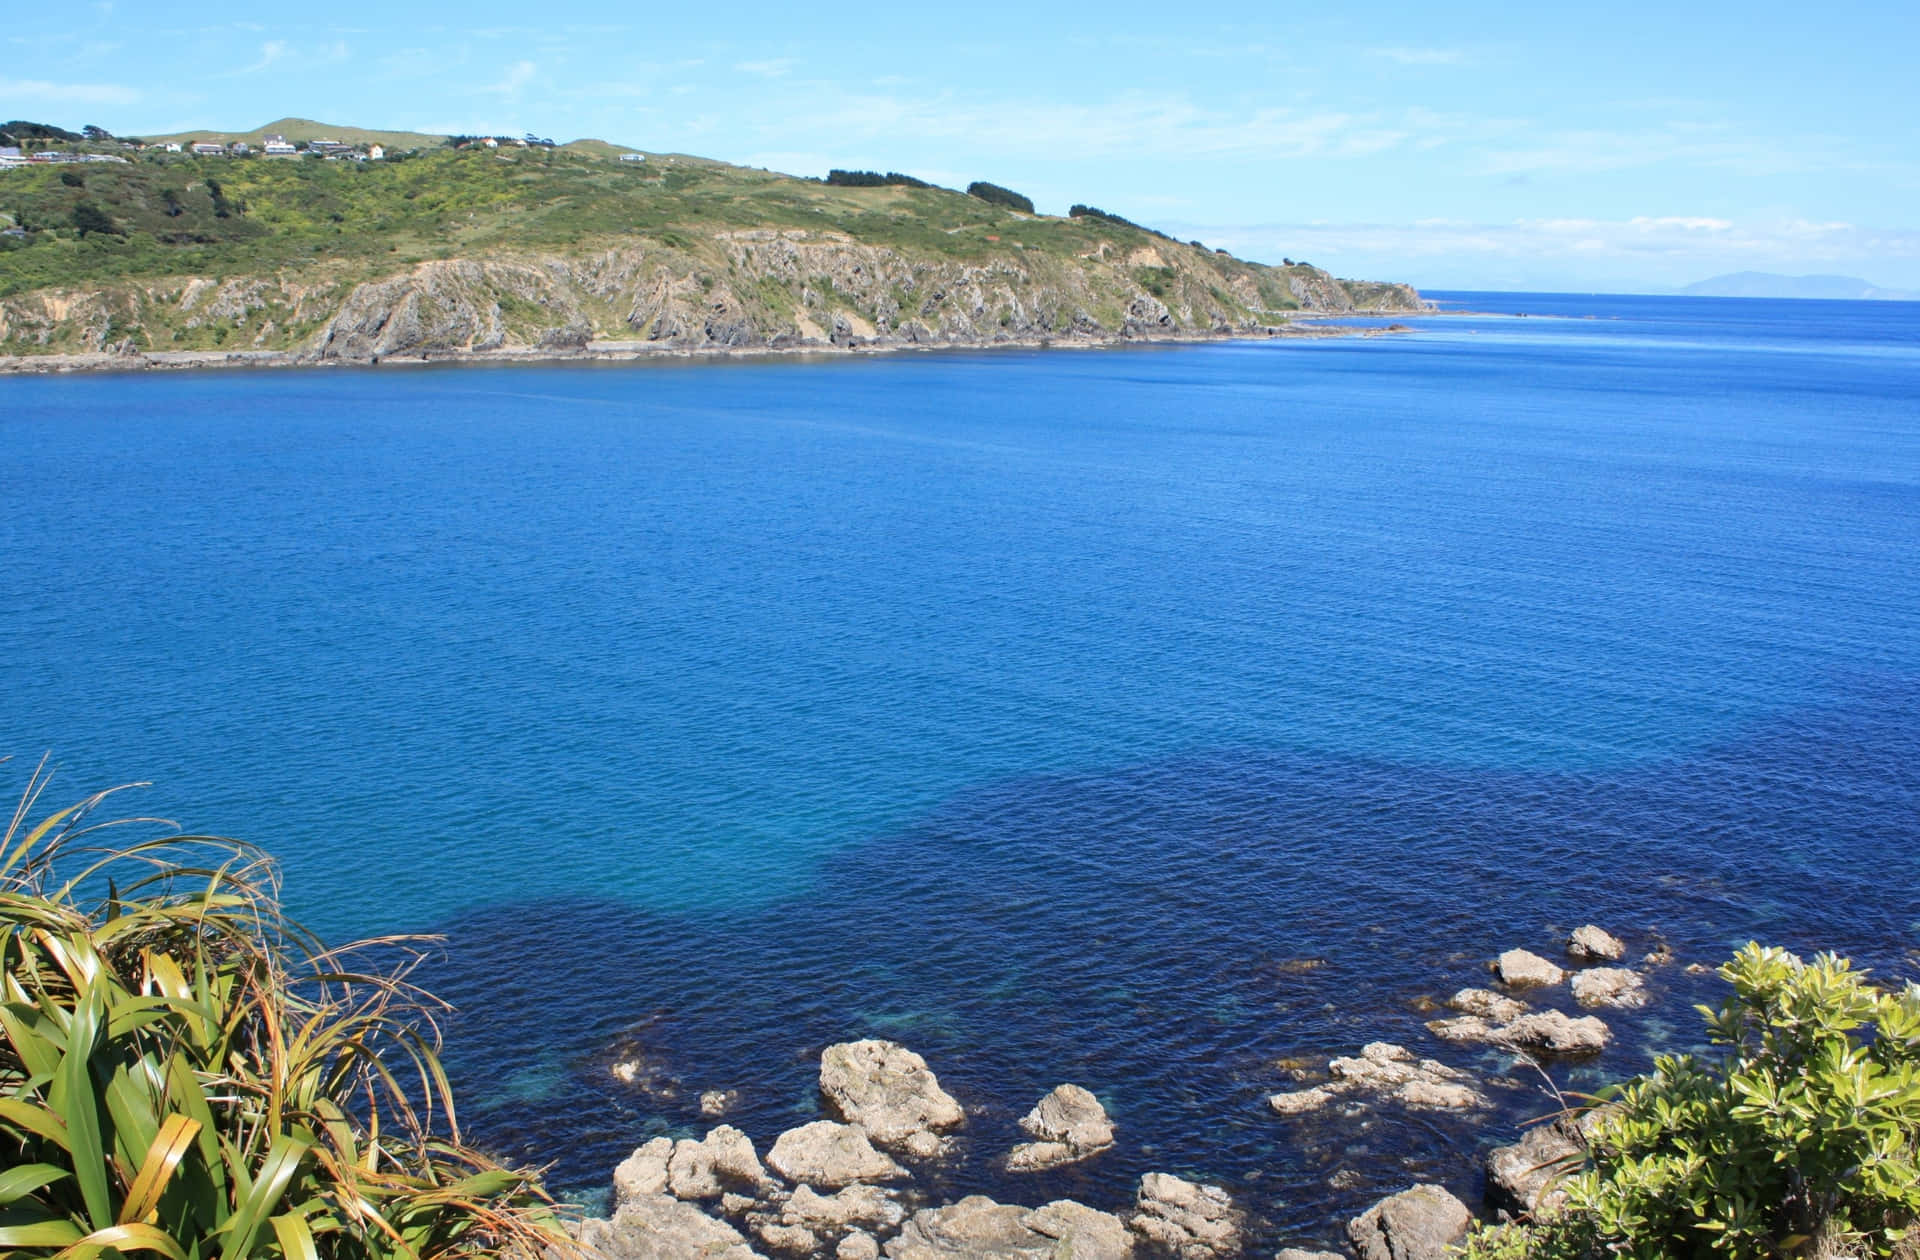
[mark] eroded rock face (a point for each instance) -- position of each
(644, 1172)
(975, 1226)
(1080, 1232)
(1069, 1124)
(722, 1161)
(1523, 969)
(1610, 986)
(889, 1091)
(1592, 944)
(660, 1227)
(1301, 1253)
(1417, 1224)
(867, 1207)
(1191, 1220)
(1521, 1177)
(830, 1155)
(1385, 1071)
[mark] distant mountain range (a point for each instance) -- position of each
(1763, 284)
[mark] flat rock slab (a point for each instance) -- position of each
(1610, 986)
(660, 1227)
(1522, 969)
(830, 1155)
(1385, 1071)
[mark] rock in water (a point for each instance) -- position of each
(1487, 1005)
(831, 1155)
(659, 1227)
(889, 1091)
(1384, 1070)
(1418, 1224)
(975, 1226)
(1079, 1232)
(643, 1172)
(1592, 944)
(1070, 1124)
(1609, 986)
(722, 1161)
(1193, 1221)
(1301, 1253)
(1520, 1177)
(1555, 1033)
(1522, 969)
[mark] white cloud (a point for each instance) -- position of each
(270, 53)
(47, 93)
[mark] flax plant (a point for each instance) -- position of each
(186, 1072)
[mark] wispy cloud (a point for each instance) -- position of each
(771, 68)
(1420, 56)
(518, 75)
(271, 53)
(44, 92)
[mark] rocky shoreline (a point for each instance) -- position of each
(131, 360)
(847, 1185)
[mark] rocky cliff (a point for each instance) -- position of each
(739, 289)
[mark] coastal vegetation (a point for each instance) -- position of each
(187, 1073)
(1799, 1137)
(439, 248)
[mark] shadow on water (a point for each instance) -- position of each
(1182, 938)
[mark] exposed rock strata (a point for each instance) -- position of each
(1423, 1223)
(1191, 1220)
(1068, 1125)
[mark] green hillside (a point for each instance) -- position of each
(138, 243)
(300, 130)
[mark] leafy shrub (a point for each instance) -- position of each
(187, 1073)
(1799, 1138)
(874, 179)
(999, 196)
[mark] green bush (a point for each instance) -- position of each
(999, 196)
(1799, 1138)
(185, 1072)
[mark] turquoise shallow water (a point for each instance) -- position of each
(1042, 709)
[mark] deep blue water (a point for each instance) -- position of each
(1138, 718)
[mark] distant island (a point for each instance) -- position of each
(307, 242)
(1764, 284)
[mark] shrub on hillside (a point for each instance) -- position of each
(874, 179)
(187, 1073)
(1799, 1138)
(999, 196)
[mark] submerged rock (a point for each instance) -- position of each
(1069, 1125)
(1386, 1071)
(660, 1227)
(889, 1091)
(1610, 986)
(831, 1155)
(1193, 1221)
(1418, 1224)
(1592, 944)
(1523, 969)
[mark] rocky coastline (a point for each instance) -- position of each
(850, 1185)
(129, 359)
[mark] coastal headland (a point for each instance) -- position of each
(463, 248)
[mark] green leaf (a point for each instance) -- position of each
(19, 1182)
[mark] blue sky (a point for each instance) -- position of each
(1625, 147)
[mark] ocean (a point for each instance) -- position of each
(1160, 719)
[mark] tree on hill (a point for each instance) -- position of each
(21, 132)
(89, 218)
(873, 179)
(1000, 196)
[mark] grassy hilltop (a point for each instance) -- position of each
(520, 245)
